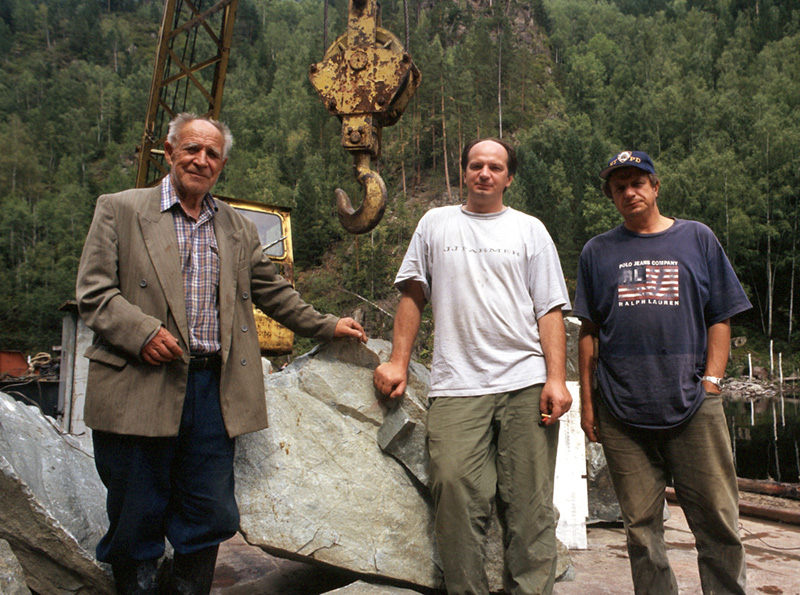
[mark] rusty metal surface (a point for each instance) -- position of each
(366, 79)
(371, 210)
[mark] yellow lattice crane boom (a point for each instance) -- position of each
(366, 79)
(191, 64)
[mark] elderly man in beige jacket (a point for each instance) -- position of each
(167, 281)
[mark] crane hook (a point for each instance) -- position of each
(366, 79)
(370, 212)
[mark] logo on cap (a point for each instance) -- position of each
(637, 159)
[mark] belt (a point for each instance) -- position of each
(205, 361)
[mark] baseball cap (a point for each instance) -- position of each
(638, 159)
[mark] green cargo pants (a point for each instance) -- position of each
(489, 449)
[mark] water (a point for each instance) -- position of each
(766, 437)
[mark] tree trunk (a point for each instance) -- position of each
(727, 220)
(500, 83)
(791, 277)
(444, 143)
(460, 150)
(522, 94)
(403, 163)
(433, 135)
(417, 126)
(770, 274)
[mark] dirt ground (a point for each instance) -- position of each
(773, 557)
(773, 561)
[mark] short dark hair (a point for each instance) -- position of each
(512, 153)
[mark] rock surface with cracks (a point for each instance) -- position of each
(316, 486)
(52, 512)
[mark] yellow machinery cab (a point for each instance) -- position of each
(275, 230)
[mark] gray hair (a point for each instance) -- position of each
(178, 122)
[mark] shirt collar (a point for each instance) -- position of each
(169, 198)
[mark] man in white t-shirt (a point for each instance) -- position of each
(498, 385)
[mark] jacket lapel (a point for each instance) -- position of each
(228, 240)
(161, 240)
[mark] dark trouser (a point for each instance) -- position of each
(697, 455)
(486, 449)
(179, 487)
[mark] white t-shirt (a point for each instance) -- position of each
(489, 278)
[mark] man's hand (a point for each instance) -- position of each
(711, 389)
(555, 401)
(589, 421)
(391, 379)
(161, 349)
(347, 327)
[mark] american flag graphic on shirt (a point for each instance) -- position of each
(649, 283)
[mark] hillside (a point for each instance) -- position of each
(710, 90)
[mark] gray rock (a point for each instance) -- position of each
(402, 432)
(603, 504)
(573, 327)
(12, 579)
(315, 485)
(53, 510)
(362, 588)
(745, 390)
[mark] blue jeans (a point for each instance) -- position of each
(697, 456)
(489, 449)
(181, 487)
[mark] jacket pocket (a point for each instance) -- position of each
(101, 354)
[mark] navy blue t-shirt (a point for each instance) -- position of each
(654, 296)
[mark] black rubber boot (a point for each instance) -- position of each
(135, 577)
(191, 574)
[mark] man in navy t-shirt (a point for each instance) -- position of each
(657, 294)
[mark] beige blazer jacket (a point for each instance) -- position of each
(129, 283)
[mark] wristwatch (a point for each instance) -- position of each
(713, 380)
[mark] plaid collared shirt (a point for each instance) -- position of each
(197, 246)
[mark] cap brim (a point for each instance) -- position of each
(607, 171)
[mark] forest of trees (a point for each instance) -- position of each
(709, 88)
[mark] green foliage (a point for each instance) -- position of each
(709, 89)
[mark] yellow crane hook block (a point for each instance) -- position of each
(366, 79)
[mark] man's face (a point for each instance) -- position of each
(633, 193)
(486, 177)
(196, 160)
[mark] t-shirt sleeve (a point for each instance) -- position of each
(546, 281)
(584, 306)
(726, 295)
(415, 263)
